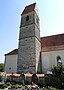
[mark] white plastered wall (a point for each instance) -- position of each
(50, 58)
(11, 63)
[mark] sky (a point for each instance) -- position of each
(51, 14)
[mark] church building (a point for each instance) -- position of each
(35, 54)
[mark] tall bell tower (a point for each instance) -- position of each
(29, 40)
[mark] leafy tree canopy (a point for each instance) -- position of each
(1, 67)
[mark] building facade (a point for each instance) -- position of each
(11, 61)
(35, 54)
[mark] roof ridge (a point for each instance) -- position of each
(13, 52)
(52, 35)
(31, 4)
(28, 8)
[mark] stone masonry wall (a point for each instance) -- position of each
(29, 43)
(30, 21)
(27, 55)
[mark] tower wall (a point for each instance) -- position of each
(29, 43)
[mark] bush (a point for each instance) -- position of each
(34, 79)
(50, 80)
(22, 82)
(20, 86)
(40, 83)
(27, 82)
(50, 88)
(16, 86)
(8, 79)
(0, 78)
(7, 83)
(2, 86)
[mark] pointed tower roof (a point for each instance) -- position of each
(29, 8)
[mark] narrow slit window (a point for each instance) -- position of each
(27, 18)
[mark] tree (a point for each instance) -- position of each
(1, 67)
(58, 73)
(57, 70)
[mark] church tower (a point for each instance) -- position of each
(29, 41)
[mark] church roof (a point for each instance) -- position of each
(54, 40)
(48, 41)
(13, 52)
(28, 8)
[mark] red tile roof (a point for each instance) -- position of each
(13, 52)
(54, 40)
(28, 8)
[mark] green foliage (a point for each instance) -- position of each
(49, 88)
(8, 79)
(0, 78)
(27, 82)
(58, 72)
(49, 80)
(16, 86)
(2, 86)
(40, 82)
(1, 67)
(7, 83)
(34, 79)
(22, 82)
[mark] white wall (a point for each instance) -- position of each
(11, 63)
(50, 58)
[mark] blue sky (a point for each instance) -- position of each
(51, 14)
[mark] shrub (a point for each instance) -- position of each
(50, 80)
(22, 82)
(0, 78)
(20, 86)
(34, 79)
(16, 86)
(40, 83)
(2, 86)
(27, 82)
(7, 83)
(8, 79)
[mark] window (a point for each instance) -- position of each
(9, 68)
(27, 18)
(59, 61)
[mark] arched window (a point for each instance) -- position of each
(59, 61)
(27, 18)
